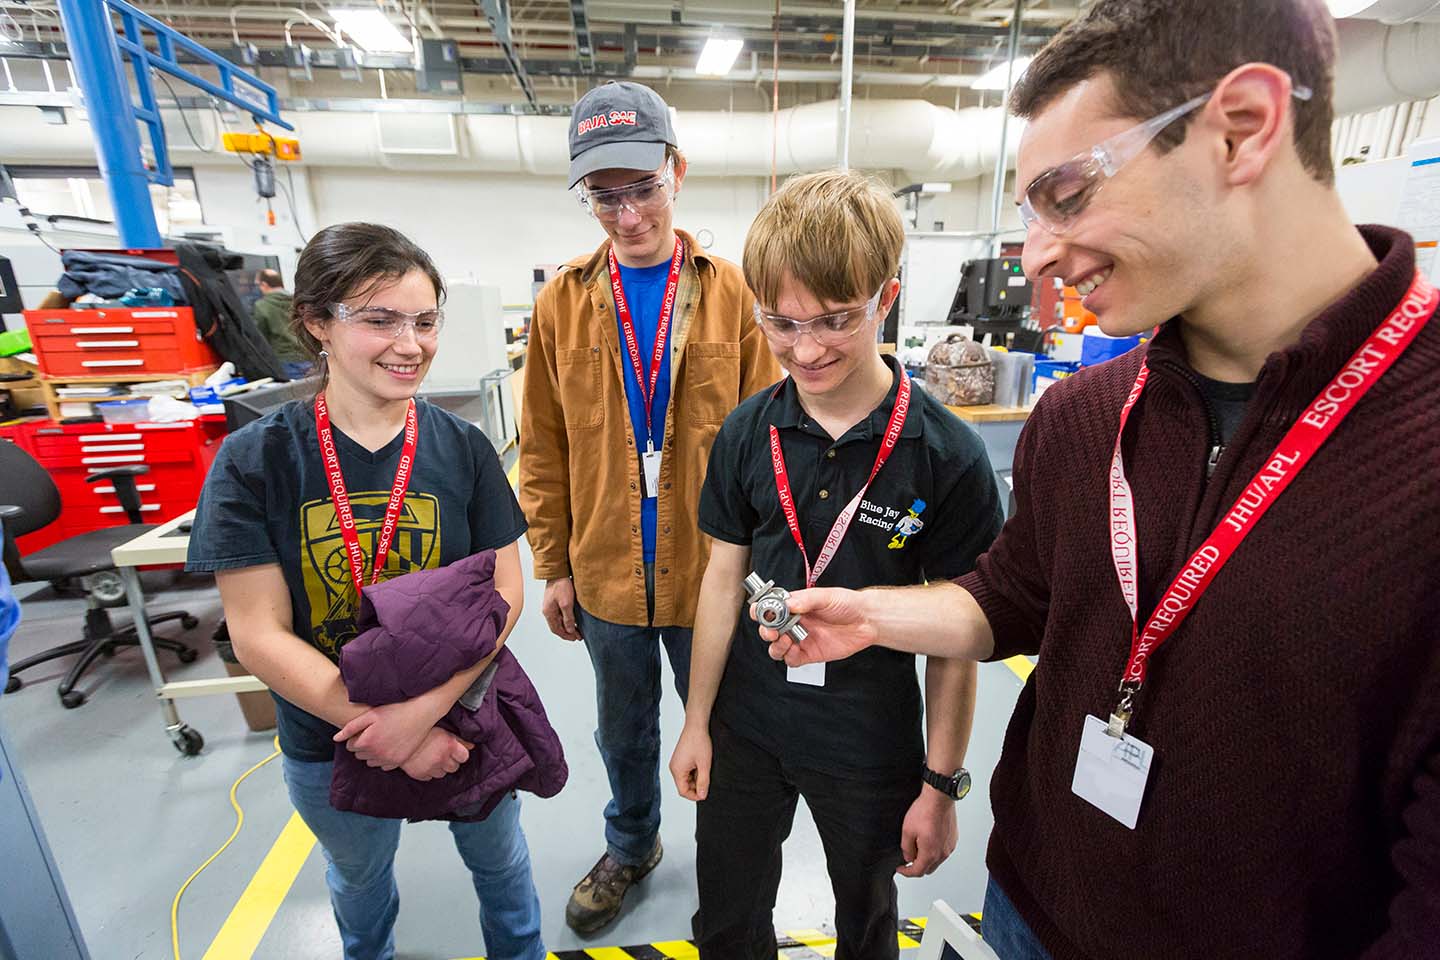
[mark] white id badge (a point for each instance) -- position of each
(812, 674)
(650, 462)
(1110, 773)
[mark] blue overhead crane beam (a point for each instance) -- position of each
(95, 51)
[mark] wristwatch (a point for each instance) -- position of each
(954, 786)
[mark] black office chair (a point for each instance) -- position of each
(29, 501)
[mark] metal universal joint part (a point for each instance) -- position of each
(771, 610)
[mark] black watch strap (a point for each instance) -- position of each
(955, 786)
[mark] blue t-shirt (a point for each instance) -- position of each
(267, 500)
(644, 293)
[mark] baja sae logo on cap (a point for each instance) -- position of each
(615, 118)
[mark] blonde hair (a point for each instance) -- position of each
(836, 232)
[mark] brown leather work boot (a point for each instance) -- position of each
(596, 899)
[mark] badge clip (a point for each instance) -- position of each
(1120, 717)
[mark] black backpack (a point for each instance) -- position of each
(220, 316)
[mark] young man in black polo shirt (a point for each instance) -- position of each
(884, 487)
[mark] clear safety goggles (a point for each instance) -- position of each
(385, 323)
(650, 195)
(828, 329)
(1056, 198)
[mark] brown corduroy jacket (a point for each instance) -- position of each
(580, 483)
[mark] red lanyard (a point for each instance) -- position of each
(662, 330)
(341, 499)
(842, 522)
(1309, 433)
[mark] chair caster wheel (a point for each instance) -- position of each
(189, 623)
(188, 741)
(72, 699)
(187, 655)
(13, 683)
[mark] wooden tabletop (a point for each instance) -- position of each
(990, 413)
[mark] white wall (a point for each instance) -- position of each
(497, 227)
(228, 200)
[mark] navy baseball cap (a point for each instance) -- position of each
(619, 126)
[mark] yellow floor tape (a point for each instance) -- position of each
(240, 935)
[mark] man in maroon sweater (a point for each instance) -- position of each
(1251, 770)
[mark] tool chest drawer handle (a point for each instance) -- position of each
(128, 458)
(143, 507)
(108, 437)
(138, 362)
(180, 425)
(151, 314)
(102, 329)
(139, 488)
(111, 448)
(97, 344)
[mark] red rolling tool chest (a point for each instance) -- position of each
(178, 454)
(118, 341)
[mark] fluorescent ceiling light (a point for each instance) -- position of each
(718, 56)
(1339, 9)
(371, 30)
(994, 78)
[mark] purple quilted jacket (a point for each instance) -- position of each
(416, 632)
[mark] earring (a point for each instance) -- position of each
(324, 354)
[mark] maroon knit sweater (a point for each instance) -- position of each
(1294, 807)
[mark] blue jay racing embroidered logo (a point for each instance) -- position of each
(326, 567)
(908, 525)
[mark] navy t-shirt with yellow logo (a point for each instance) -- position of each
(267, 500)
(931, 511)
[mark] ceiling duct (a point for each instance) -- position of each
(1381, 64)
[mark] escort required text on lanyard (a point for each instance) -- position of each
(344, 515)
(814, 673)
(650, 457)
(1113, 766)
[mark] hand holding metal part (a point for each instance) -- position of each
(771, 609)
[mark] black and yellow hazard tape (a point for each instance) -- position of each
(793, 945)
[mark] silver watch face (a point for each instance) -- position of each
(962, 783)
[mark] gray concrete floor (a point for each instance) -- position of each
(129, 818)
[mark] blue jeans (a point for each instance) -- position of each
(360, 852)
(627, 697)
(1007, 934)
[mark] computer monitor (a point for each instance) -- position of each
(243, 408)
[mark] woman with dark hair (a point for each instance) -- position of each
(309, 503)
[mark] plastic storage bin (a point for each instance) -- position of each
(124, 411)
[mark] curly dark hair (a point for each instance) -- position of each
(1160, 53)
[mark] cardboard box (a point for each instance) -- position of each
(25, 393)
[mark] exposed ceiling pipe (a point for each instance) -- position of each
(847, 84)
(1390, 11)
(999, 192)
(1381, 64)
(926, 141)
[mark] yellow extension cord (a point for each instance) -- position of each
(239, 822)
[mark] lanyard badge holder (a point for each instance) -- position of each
(650, 458)
(1113, 766)
(813, 674)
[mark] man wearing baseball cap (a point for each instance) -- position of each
(638, 351)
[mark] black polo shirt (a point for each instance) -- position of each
(932, 510)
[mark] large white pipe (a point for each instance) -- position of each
(925, 141)
(1381, 64)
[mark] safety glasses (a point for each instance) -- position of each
(384, 323)
(647, 196)
(1056, 198)
(828, 330)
